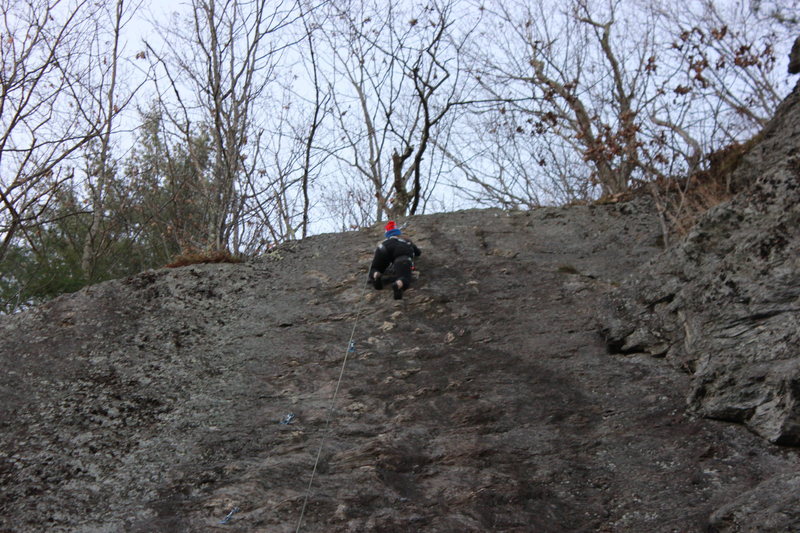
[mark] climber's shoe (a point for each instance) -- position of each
(398, 292)
(377, 282)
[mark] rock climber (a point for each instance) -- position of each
(396, 250)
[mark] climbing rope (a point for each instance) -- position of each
(350, 349)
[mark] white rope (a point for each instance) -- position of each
(330, 409)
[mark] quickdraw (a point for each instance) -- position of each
(230, 515)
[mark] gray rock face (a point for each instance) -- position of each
(482, 401)
(774, 505)
(724, 304)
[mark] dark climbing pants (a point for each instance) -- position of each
(401, 266)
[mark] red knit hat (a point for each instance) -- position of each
(391, 229)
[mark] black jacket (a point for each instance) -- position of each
(395, 247)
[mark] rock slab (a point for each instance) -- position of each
(483, 401)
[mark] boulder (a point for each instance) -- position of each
(724, 303)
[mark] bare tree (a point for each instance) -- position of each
(726, 52)
(276, 200)
(45, 111)
(396, 79)
(109, 103)
(225, 60)
(615, 93)
(319, 104)
(577, 80)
